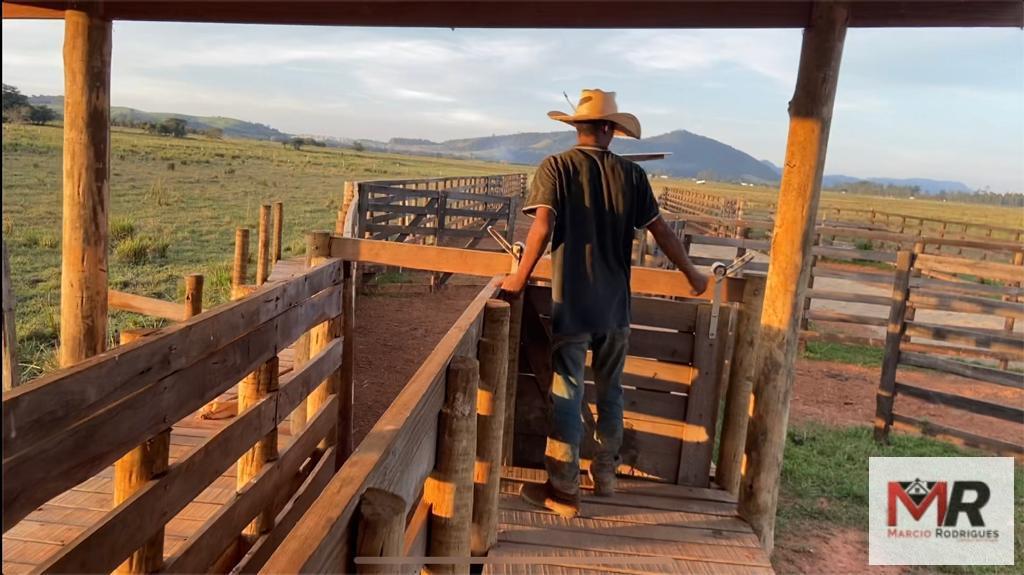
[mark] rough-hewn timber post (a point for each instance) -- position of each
(193, 295)
(257, 386)
(83, 278)
(346, 200)
(490, 422)
(1009, 323)
(346, 393)
(381, 530)
(137, 467)
(893, 335)
(450, 488)
(810, 116)
(240, 265)
(515, 324)
(263, 246)
(278, 231)
(738, 395)
(12, 372)
(318, 248)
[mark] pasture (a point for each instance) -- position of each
(175, 204)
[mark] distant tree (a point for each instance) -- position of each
(172, 127)
(40, 115)
(15, 105)
(358, 146)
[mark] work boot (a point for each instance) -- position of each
(604, 479)
(545, 496)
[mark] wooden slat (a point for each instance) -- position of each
(662, 345)
(963, 287)
(1005, 344)
(74, 454)
(927, 299)
(52, 402)
(489, 264)
(145, 305)
(838, 316)
(317, 542)
(822, 270)
(702, 405)
(991, 375)
(957, 436)
(626, 485)
(960, 402)
(304, 497)
(128, 525)
(980, 269)
(528, 559)
(844, 296)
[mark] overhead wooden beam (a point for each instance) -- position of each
(545, 13)
(83, 289)
(810, 113)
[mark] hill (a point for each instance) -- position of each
(926, 185)
(232, 127)
(691, 154)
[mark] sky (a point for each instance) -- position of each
(935, 103)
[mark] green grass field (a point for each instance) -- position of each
(175, 204)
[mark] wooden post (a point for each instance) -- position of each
(12, 371)
(255, 387)
(263, 247)
(1009, 323)
(490, 422)
(136, 468)
(381, 530)
(346, 200)
(515, 324)
(85, 235)
(810, 116)
(193, 295)
(318, 248)
(894, 333)
(278, 231)
(346, 394)
(911, 310)
(738, 395)
(240, 267)
(450, 488)
(810, 284)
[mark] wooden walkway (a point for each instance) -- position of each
(40, 536)
(692, 530)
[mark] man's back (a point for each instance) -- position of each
(599, 200)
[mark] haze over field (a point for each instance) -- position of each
(941, 104)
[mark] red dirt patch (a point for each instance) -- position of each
(822, 548)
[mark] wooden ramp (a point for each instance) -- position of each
(684, 529)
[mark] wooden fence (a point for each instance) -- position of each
(948, 343)
(440, 210)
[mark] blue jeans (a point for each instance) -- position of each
(569, 355)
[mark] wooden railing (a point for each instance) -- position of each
(948, 342)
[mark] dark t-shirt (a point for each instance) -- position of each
(599, 200)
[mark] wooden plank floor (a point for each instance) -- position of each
(59, 521)
(684, 529)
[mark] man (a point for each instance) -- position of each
(590, 202)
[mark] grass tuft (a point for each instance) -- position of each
(121, 228)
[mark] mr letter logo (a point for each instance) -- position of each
(960, 515)
(916, 496)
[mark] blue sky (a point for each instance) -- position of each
(942, 103)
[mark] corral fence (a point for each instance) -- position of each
(439, 209)
(949, 346)
(836, 256)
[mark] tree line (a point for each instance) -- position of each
(900, 191)
(17, 109)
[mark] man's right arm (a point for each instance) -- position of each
(673, 249)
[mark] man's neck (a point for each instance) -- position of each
(590, 144)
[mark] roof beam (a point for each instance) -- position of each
(544, 13)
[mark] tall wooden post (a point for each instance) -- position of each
(450, 488)
(257, 386)
(738, 395)
(381, 530)
(12, 372)
(83, 282)
(278, 231)
(240, 266)
(263, 247)
(810, 114)
(348, 195)
(490, 421)
(346, 393)
(193, 295)
(515, 324)
(140, 465)
(318, 248)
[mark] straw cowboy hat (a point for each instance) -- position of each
(600, 105)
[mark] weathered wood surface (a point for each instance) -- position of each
(679, 529)
(12, 371)
(145, 305)
(86, 180)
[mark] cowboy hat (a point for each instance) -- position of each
(596, 105)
